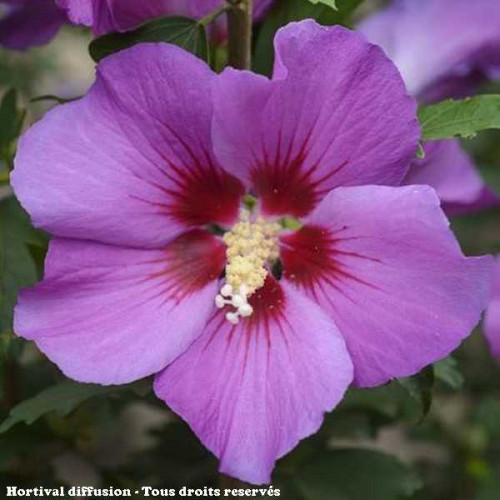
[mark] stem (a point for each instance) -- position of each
(239, 18)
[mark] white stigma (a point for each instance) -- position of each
(250, 246)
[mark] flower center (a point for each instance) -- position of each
(251, 245)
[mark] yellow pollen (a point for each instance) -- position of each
(250, 246)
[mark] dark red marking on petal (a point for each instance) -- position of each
(192, 261)
(267, 302)
(286, 186)
(197, 195)
(268, 308)
(312, 256)
(209, 196)
(205, 193)
(268, 316)
(283, 191)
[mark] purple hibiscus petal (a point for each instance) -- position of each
(488, 199)
(335, 114)
(443, 48)
(105, 16)
(79, 11)
(131, 163)
(252, 391)
(30, 23)
(492, 318)
(112, 315)
(435, 42)
(449, 170)
(384, 264)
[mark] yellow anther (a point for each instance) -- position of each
(250, 247)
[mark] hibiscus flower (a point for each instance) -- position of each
(243, 239)
(492, 318)
(105, 16)
(27, 23)
(443, 48)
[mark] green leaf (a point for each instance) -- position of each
(363, 412)
(328, 3)
(9, 118)
(446, 371)
(17, 268)
(420, 387)
(460, 118)
(180, 31)
(62, 399)
(11, 122)
(357, 474)
(286, 11)
(385, 400)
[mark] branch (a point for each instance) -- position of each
(239, 18)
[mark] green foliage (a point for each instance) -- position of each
(62, 398)
(17, 267)
(357, 474)
(363, 412)
(286, 11)
(460, 118)
(447, 372)
(490, 486)
(419, 388)
(384, 400)
(11, 122)
(479, 232)
(485, 150)
(181, 31)
(487, 417)
(328, 3)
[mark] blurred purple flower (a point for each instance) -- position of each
(450, 171)
(105, 16)
(131, 178)
(443, 48)
(27, 23)
(492, 317)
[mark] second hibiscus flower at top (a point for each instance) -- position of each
(254, 334)
(106, 16)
